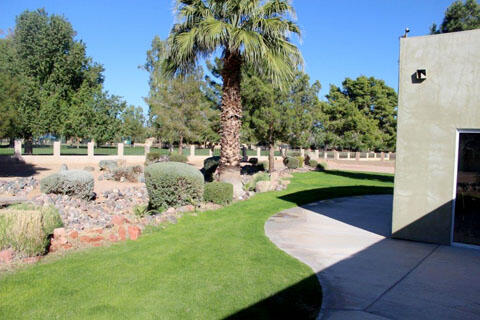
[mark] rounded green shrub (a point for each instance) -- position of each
(77, 183)
(209, 167)
(312, 163)
(321, 166)
(291, 162)
(301, 161)
(218, 192)
(173, 184)
(177, 157)
(260, 176)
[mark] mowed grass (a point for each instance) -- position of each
(216, 265)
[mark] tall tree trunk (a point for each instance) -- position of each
(271, 157)
(231, 115)
(180, 145)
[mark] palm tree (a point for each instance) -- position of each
(252, 32)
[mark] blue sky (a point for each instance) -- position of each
(341, 38)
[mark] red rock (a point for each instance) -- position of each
(99, 231)
(134, 232)
(87, 239)
(118, 220)
(67, 246)
(74, 234)
(122, 233)
(6, 256)
(96, 244)
(59, 233)
(32, 259)
(113, 238)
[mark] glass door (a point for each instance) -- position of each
(467, 203)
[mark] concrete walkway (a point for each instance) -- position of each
(366, 275)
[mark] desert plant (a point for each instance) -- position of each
(173, 184)
(27, 230)
(263, 166)
(154, 157)
(108, 165)
(218, 192)
(291, 162)
(312, 163)
(73, 182)
(177, 157)
(129, 173)
(209, 167)
(260, 176)
(141, 210)
(321, 166)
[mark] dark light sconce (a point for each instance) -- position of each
(421, 74)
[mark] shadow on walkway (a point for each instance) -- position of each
(14, 167)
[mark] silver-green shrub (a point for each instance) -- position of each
(108, 165)
(77, 183)
(173, 184)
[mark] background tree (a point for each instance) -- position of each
(133, 123)
(253, 32)
(459, 16)
(359, 116)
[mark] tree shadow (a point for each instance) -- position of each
(15, 167)
(362, 176)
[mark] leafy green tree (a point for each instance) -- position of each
(273, 115)
(254, 33)
(359, 116)
(459, 16)
(55, 67)
(133, 123)
(179, 109)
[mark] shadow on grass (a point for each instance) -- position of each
(300, 301)
(362, 176)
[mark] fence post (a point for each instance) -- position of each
(90, 148)
(120, 149)
(382, 156)
(56, 148)
(316, 154)
(302, 152)
(259, 152)
(325, 154)
(210, 153)
(366, 154)
(192, 150)
(18, 148)
(348, 155)
(388, 156)
(147, 148)
(357, 156)
(336, 155)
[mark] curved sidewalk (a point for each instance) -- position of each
(366, 275)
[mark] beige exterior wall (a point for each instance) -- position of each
(429, 116)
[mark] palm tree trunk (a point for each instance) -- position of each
(231, 115)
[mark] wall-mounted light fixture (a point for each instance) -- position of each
(421, 74)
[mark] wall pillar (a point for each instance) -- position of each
(302, 152)
(120, 149)
(90, 148)
(336, 155)
(56, 148)
(348, 155)
(325, 154)
(357, 156)
(382, 156)
(210, 153)
(18, 147)
(259, 152)
(316, 154)
(147, 148)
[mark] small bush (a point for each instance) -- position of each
(108, 165)
(77, 183)
(129, 173)
(173, 184)
(321, 166)
(313, 163)
(263, 166)
(27, 230)
(141, 210)
(218, 192)
(209, 167)
(261, 176)
(154, 157)
(301, 161)
(291, 162)
(177, 157)
(253, 161)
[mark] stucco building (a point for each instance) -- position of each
(437, 175)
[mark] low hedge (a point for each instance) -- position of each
(27, 229)
(218, 192)
(173, 184)
(177, 157)
(77, 183)
(291, 162)
(312, 163)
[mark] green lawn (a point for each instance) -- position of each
(215, 265)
